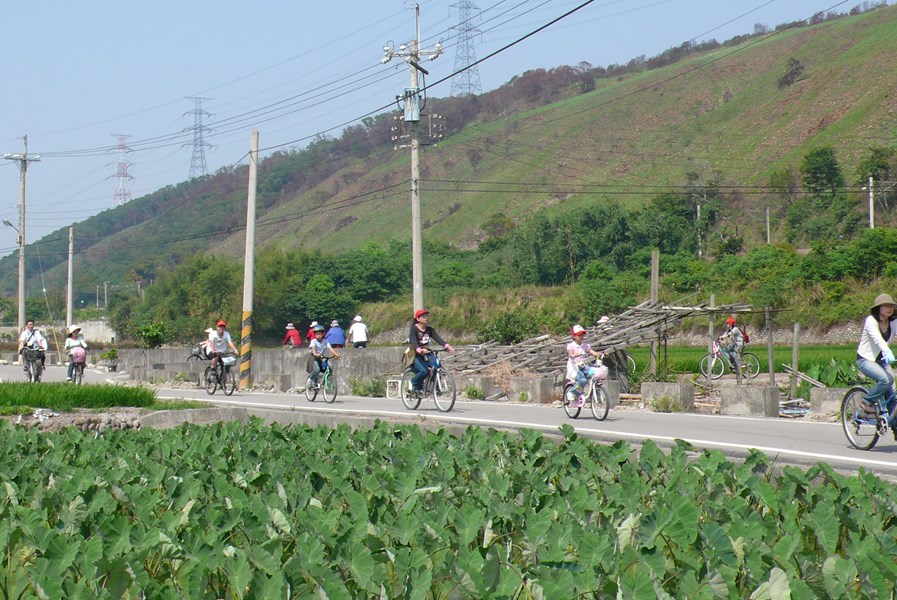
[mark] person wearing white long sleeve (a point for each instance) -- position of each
(874, 356)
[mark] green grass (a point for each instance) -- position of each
(65, 396)
(687, 359)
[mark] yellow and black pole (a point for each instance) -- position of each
(249, 268)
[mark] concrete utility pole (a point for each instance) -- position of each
(411, 54)
(68, 293)
(22, 160)
(871, 203)
(249, 267)
(767, 226)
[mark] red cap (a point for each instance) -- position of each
(730, 321)
(577, 329)
(220, 323)
(420, 312)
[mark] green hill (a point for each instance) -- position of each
(717, 115)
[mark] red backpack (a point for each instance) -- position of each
(744, 332)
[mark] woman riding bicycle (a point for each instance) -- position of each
(318, 347)
(874, 356)
(419, 337)
(578, 369)
(74, 340)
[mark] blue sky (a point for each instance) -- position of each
(75, 73)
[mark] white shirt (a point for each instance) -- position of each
(871, 341)
(219, 343)
(358, 332)
(33, 336)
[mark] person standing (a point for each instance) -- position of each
(336, 337)
(31, 336)
(292, 339)
(74, 340)
(874, 355)
(358, 333)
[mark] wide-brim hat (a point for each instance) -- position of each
(357, 319)
(313, 323)
(882, 299)
(290, 326)
(73, 328)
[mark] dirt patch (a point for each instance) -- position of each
(85, 420)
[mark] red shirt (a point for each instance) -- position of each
(292, 337)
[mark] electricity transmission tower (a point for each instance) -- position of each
(198, 166)
(467, 80)
(122, 176)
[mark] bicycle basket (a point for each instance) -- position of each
(30, 354)
(229, 361)
(79, 355)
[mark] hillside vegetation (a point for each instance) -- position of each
(686, 157)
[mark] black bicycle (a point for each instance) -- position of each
(33, 367)
(222, 376)
(439, 383)
(325, 381)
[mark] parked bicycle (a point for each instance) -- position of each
(33, 367)
(716, 363)
(79, 360)
(864, 422)
(325, 381)
(593, 394)
(439, 383)
(222, 375)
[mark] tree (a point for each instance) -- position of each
(793, 71)
(875, 164)
(821, 173)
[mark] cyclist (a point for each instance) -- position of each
(74, 340)
(874, 356)
(220, 341)
(318, 347)
(31, 336)
(731, 344)
(419, 337)
(578, 372)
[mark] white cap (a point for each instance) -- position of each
(357, 318)
(313, 323)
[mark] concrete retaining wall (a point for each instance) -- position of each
(826, 400)
(539, 390)
(749, 400)
(682, 395)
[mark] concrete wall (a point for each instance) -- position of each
(826, 400)
(682, 395)
(753, 400)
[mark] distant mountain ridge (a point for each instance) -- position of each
(720, 110)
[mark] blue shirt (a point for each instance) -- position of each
(335, 336)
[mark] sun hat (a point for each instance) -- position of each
(882, 299)
(420, 312)
(73, 328)
(290, 326)
(334, 323)
(357, 319)
(314, 324)
(577, 329)
(604, 319)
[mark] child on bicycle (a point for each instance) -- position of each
(419, 338)
(578, 369)
(874, 356)
(318, 347)
(731, 344)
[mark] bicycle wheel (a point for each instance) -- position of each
(715, 368)
(78, 373)
(750, 365)
(598, 402)
(410, 399)
(329, 386)
(444, 390)
(34, 371)
(630, 363)
(230, 382)
(211, 380)
(311, 389)
(571, 409)
(860, 427)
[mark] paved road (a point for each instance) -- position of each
(790, 441)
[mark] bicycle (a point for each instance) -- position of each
(595, 395)
(864, 422)
(439, 382)
(79, 358)
(222, 375)
(328, 384)
(716, 364)
(33, 367)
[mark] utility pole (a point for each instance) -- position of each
(68, 294)
(22, 160)
(871, 203)
(249, 267)
(767, 227)
(411, 54)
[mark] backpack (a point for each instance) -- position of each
(744, 332)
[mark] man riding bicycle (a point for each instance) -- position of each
(32, 337)
(219, 342)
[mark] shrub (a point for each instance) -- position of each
(376, 387)
(665, 404)
(474, 393)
